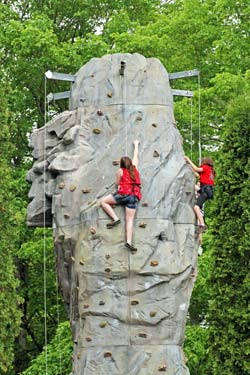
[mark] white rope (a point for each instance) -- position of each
(46, 106)
(58, 323)
(199, 117)
(44, 238)
(191, 128)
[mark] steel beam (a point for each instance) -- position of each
(187, 93)
(184, 74)
(58, 96)
(60, 76)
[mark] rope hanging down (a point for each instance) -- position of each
(199, 123)
(44, 238)
(199, 117)
(46, 117)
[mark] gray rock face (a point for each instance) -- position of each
(127, 311)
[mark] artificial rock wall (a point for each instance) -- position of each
(127, 311)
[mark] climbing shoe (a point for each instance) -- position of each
(113, 223)
(130, 246)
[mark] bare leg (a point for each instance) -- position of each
(130, 214)
(106, 205)
(199, 215)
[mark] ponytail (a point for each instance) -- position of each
(126, 162)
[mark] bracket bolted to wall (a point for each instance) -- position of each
(71, 78)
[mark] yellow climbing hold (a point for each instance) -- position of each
(107, 354)
(86, 190)
(152, 313)
(135, 302)
(61, 185)
(96, 131)
(154, 263)
(103, 324)
(92, 230)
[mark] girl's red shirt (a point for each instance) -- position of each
(207, 175)
(129, 186)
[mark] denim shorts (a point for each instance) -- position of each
(129, 201)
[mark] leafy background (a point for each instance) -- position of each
(62, 35)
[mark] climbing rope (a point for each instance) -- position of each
(46, 117)
(199, 117)
(191, 128)
(199, 123)
(44, 237)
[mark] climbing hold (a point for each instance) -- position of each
(61, 185)
(154, 125)
(152, 313)
(78, 355)
(92, 230)
(81, 262)
(162, 368)
(107, 354)
(72, 258)
(109, 94)
(99, 112)
(92, 75)
(88, 339)
(142, 334)
(103, 324)
(96, 131)
(154, 263)
(116, 162)
(135, 302)
(138, 118)
(72, 188)
(86, 306)
(107, 256)
(156, 154)
(142, 224)
(145, 204)
(86, 190)
(107, 270)
(67, 216)
(77, 288)
(101, 303)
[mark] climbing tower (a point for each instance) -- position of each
(127, 310)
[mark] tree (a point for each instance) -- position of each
(10, 314)
(228, 316)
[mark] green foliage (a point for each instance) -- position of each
(62, 35)
(229, 307)
(57, 357)
(9, 300)
(38, 267)
(196, 344)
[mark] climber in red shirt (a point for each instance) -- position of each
(128, 194)
(207, 173)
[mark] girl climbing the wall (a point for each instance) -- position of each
(128, 194)
(207, 173)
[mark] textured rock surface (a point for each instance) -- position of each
(127, 311)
